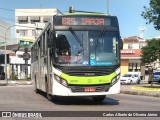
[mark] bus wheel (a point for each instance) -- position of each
(36, 90)
(99, 98)
(131, 82)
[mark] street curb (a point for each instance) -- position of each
(19, 84)
(16, 84)
(139, 93)
(145, 88)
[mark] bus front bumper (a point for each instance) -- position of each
(61, 90)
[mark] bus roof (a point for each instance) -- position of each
(86, 13)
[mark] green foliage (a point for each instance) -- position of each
(14, 76)
(152, 14)
(151, 51)
(27, 78)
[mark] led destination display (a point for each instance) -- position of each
(82, 20)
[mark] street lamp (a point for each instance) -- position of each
(5, 46)
(5, 58)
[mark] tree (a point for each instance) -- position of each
(151, 52)
(152, 14)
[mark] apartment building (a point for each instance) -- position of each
(131, 55)
(28, 24)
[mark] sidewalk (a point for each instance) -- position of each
(143, 89)
(11, 83)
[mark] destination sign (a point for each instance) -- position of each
(82, 20)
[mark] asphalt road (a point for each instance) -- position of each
(23, 98)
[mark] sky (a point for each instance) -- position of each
(127, 11)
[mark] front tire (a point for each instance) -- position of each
(99, 98)
(138, 81)
(131, 82)
(36, 89)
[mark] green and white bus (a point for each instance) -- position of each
(78, 54)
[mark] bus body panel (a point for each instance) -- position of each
(39, 72)
(60, 90)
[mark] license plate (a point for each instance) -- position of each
(89, 89)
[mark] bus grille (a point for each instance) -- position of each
(90, 71)
(102, 88)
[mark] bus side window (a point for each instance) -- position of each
(49, 39)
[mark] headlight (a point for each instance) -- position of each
(61, 80)
(118, 76)
(57, 78)
(114, 81)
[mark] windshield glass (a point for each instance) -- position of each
(86, 48)
(127, 75)
(157, 73)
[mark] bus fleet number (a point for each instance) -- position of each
(68, 21)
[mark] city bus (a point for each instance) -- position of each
(78, 54)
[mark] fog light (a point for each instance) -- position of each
(118, 76)
(57, 78)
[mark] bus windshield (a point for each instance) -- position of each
(86, 48)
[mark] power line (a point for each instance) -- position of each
(7, 9)
(7, 19)
(11, 10)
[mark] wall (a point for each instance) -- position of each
(124, 66)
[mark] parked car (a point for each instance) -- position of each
(130, 78)
(156, 77)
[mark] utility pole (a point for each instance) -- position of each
(108, 7)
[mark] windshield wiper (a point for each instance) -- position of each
(101, 35)
(75, 36)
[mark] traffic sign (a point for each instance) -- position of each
(26, 56)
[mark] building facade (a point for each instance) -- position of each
(131, 55)
(28, 25)
(5, 35)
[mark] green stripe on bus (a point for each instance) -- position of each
(87, 80)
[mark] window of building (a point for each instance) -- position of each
(22, 19)
(34, 19)
(130, 46)
(23, 32)
(134, 67)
